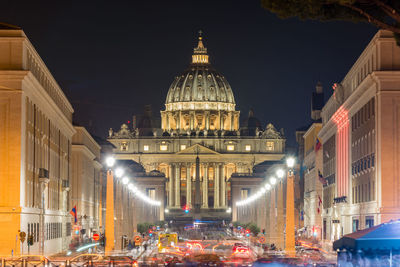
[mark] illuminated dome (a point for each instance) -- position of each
(200, 86)
(200, 99)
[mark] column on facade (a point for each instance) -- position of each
(171, 186)
(205, 186)
(340, 117)
(188, 185)
(231, 120)
(216, 185)
(179, 125)
(207, 123)
(177, 185)
(221, 120)
(191, 120)
(168, 121)
(223, 187)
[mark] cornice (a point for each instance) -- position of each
(85, 150)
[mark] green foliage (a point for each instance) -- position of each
(383, 14)
(253, 228)
(144, 227)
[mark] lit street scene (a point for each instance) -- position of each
(200, 133)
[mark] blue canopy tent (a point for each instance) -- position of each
(383, 237)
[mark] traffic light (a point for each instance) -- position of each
(247, 232)
(186, 209)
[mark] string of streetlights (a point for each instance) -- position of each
(280, 173)
(119, 173)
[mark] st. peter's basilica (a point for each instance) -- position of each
(200, 120)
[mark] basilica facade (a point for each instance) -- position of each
(200, 120)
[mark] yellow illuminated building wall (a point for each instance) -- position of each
(35, 149)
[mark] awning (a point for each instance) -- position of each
(385, 236)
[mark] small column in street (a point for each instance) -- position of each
(290, 238)
(110, 213)
(177, 185)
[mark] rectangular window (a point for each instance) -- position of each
(146, 148)
(369, 221)
(270, 146)
(244, 193)
(248, 147)
(183, 147)
(151, 193)
(355, 225)
(68, 229)
(230, 147)
(163, 147)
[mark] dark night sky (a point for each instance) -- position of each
(113, 57)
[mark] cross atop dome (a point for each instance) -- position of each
(200, 55)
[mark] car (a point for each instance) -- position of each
(241, 251)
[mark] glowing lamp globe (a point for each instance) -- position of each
(290, 162)
(119, 172)
(110, 161)
(125, 180)
(280, 173)
(267, 187)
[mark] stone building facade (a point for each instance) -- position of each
(312, 166)
(200, 119)
(85, 187)
(35, 150)
(360, 136)
(268, 211)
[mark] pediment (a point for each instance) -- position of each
(198, 149)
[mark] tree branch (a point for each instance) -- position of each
(391, 12)
(373, 20)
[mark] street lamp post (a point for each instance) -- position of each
(290, 238)
(109, 229)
